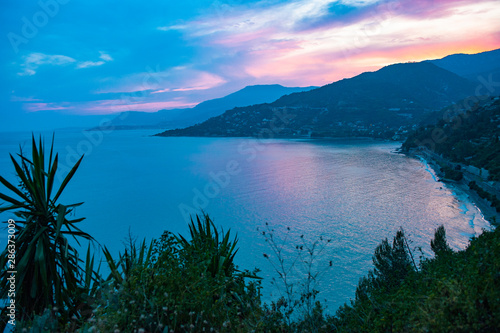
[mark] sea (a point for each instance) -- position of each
(335, 199)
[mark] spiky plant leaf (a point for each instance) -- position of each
(49, 272)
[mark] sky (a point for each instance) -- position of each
(102, 57)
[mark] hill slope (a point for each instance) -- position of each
(470, 137)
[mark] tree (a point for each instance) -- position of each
(439, 245)
(392, 263)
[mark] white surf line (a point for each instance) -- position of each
(428, 168)
(463, 198)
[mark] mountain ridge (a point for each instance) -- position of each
(174, 118)
(370, 104)
(472, 66)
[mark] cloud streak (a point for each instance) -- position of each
(35, 60)
(35, 107)
(180, 78)
(108, 106)
(86, 64)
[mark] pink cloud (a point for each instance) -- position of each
(110, 106)
(300, 43)
(161, 91)
(325, 66)
(177, 79)
(202, 81)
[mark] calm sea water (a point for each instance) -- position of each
(355, 193)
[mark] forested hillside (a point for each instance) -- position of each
(467, 135)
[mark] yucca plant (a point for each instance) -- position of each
(49, 274)
(134, 257)
(209, 245)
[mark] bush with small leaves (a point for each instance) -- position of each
(184, 285)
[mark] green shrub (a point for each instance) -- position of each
(184, 286)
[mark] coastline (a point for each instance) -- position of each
(484, 207)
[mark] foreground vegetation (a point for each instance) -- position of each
(191, 284)
(453, 292)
